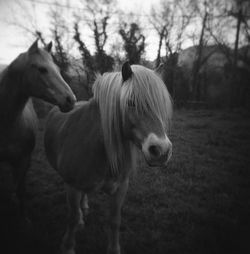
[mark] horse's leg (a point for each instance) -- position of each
(75, 214)
(115, 217)
(19, 171)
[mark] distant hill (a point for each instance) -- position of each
(213, 56)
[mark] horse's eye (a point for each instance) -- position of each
(42, 70)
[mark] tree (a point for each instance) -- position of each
(87, 59)
(97, 16)
(170, 20)
(203, 10)
(59, 28)
(205, 14)
(117, 52)
(231, 18)
(239, 10)
(227, 25)
(134, 42)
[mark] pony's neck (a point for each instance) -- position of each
(12, 97)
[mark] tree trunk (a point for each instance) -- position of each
(234, 76)
(197, 62)
(158, 59)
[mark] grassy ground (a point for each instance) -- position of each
(199, 204)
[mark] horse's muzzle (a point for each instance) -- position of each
(68, 104)
(157, 151)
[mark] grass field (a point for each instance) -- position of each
(199, 204)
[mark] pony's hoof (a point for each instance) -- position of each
(67, 251)
(67, 247)
(25, 225)
(114, 250)
(81, 225)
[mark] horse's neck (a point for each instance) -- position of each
(12, 98)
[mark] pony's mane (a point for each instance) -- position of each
(147, 92)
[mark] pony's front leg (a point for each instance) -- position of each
(85, 204)
(115, 217)
(74, 220)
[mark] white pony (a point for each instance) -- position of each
(94, 146)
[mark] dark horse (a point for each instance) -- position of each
(31, 74)
(94, 146)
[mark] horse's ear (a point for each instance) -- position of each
(126, 71)
(33, 48)
(48, 47)
(159, 68)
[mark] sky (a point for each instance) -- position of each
(14, 40)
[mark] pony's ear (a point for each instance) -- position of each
(33, 48)
(48, 47)
(126, 71)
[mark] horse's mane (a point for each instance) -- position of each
(148, 93)
(5, 73)
(3, 80)
(2, 74)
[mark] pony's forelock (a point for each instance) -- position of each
(106, 91)
(148, 93)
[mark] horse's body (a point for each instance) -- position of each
(32, 73)
(93, 146)
(17, 137)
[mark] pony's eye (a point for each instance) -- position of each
(42, 70)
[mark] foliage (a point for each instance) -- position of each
(103, 62)
(98, 14)
(177, 24)
(134, 42)
(60, 56)
(171, 20)
(87, 59)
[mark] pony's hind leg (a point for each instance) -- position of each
(74, 220)
(115, 217)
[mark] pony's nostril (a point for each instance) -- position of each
(155, 151)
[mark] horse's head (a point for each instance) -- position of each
(43, 78)
(147, 109)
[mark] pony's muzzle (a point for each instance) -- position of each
(157, 151)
